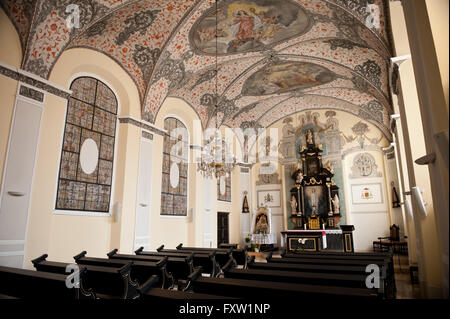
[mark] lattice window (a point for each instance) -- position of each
(224, 188)
(174, 186)
(87, 157)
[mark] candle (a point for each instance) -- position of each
(304, 226)
(323, 226)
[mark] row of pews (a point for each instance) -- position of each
(201, 273)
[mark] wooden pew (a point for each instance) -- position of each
(178, 267)
(335, 253)
(208, 261)
(240, 255)
(310, 278)
(329, 266)
(150, 292)
(30, 284)
(141, 271)
(248, 289)
(107, 281)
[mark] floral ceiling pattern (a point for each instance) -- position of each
(275, 57)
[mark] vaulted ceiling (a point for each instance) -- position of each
(275, 57)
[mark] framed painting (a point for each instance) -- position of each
(269, 198)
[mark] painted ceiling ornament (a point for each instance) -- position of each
(372, 111)
(138, 23)
(347, 24)
(248, 25)
(360, 84)
(357, 6)
(343, 43)
(145, 58)
(97, 28)
(204, 77)
(371, 71)
(172, 70)
(286, 76)
(245, 109)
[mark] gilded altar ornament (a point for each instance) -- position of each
(299, 178)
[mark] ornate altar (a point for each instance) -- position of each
(315, 196)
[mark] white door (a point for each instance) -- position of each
(207, 214)
(17, 181)
(143, 210)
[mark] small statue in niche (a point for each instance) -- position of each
(245, 208)
(336, 204)
(309, 137)
(293, 205)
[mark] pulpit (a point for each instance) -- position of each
(261, 227)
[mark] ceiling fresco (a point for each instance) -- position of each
(275, 57)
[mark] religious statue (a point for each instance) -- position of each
(395, 200)
(261, 225)
(293, 205)
(336, 204)
(309, 137)
(299, 178)
(313, 201)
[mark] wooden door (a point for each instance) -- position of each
(222, 228)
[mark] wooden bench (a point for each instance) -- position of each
(109, 281)
(30, 284)
(178, 268)
(240, 255)
(249, 289)
(385, 265)
(149, 292)
(310, 278)
(141, 271)
(210, 261)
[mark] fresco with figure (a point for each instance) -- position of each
(286, 76)
(248, 25)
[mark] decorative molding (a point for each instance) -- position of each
(245, 170)
(31, 93)
(33, 80)
(142, 124)
(147, 135)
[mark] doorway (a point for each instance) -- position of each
(223, 230)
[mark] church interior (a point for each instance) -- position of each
(212, 149)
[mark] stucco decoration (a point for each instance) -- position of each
(364, 165)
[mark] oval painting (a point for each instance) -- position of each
(248, 25)
(286, 76)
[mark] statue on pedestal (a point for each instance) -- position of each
(336, 204)
(293, 205)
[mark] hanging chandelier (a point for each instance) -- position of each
(216, 159)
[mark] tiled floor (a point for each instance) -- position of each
(405, 290)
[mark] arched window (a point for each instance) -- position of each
(87, 157)
(174, 169)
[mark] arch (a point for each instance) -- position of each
(12, 53)
(81, 61)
